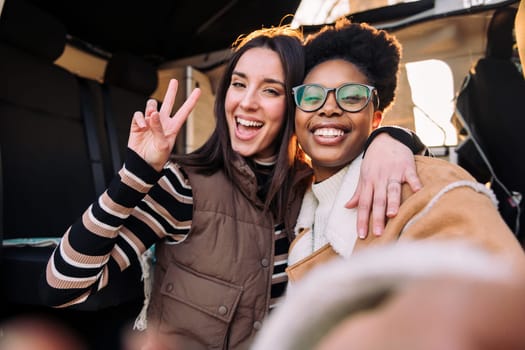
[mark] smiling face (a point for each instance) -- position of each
(256, 103)
(332, 137)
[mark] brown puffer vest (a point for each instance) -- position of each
(212, 290)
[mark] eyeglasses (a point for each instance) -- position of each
(350, 97)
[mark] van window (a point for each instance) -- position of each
(432, 86)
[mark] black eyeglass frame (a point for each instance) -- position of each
(372, 90)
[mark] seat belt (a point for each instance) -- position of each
(91, 136)
(111, 129)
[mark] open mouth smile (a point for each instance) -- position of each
(248, 123)
(329, 132)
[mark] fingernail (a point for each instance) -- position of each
(361, 233)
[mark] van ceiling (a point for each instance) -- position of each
(164, 30)
(169, 30)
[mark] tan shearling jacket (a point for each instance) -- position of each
(451, 205)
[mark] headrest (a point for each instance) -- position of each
(131, 73)
(500, 39)
(32, 30)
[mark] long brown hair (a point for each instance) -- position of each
(217, 154)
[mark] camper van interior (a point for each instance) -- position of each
(73, 72)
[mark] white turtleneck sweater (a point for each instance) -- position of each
(324, 215)
(325, 193)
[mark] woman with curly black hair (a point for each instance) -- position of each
(351, 78)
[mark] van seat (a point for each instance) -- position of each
(46, 168)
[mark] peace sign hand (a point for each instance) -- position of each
(153, 133)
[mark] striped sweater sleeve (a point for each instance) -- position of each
(140, 207)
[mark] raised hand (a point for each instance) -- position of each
(153, 133)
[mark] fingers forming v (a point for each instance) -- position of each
(184, 111)
(169, 100)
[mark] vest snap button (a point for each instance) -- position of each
(223, 310)
(265, 262)
(257, 325)
(169, 287)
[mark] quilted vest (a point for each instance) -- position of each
(212, 290)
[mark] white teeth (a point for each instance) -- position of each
(249, 123)
(329, 132)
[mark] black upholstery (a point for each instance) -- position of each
(36, 32)
(128, 81)
(490, 104)
(47, 182)
(47, 179)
